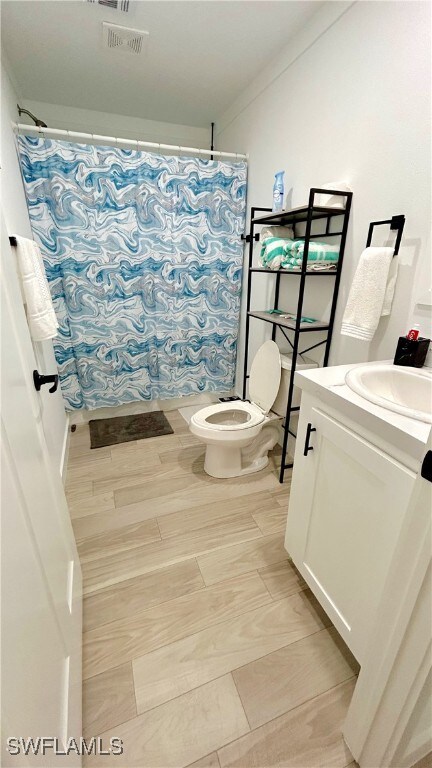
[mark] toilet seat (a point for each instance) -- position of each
(239, 415)
(238, 435)
(213, 417)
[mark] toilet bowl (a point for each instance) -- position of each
(238, 435)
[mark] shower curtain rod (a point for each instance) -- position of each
(24, 128)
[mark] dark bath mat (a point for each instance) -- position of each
(122, 429)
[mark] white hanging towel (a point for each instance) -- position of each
(41, 317)
(371, 293)
(390, 287)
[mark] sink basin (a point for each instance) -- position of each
(401, 389)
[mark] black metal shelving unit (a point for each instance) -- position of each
(305, 215)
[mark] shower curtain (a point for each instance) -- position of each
(144, 257)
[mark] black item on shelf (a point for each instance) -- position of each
(305, 214)
(229, 399)
(411, 351)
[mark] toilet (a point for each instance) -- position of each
(238, 435)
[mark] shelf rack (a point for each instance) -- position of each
(306, 215)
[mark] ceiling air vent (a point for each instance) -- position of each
(124, 39)
(117, 5)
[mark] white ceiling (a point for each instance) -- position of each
(200, 56)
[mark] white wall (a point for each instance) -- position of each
(53, 415)
(121, 126)
(349, 99)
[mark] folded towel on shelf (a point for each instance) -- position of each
(41, 317)
(274, 250)
(277, 252)
(317, 251)
(371, 293)
(285, 233)
(297, 261)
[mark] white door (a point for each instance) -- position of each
(41, 577)
(346, 508)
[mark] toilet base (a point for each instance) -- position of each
(218, 463)
(223, 461)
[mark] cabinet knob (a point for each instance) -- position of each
(308, 447)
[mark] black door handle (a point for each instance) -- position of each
(426, 467)
(40, 380)
(308, 447)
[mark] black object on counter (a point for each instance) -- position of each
(411, 351)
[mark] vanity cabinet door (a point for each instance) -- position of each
(346, 507)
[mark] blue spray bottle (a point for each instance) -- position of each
(278, 191)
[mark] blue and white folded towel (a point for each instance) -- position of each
(277, 252)
(317, 251)
(274, 251)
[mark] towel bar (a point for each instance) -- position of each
(395, 223)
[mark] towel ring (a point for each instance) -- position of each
(396, 223)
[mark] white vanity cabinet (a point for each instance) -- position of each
(347, 502)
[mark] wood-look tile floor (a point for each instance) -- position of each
(202, 646)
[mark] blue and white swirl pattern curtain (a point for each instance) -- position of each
(144, 257)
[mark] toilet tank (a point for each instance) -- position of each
(303, 363)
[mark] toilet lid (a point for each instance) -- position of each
(265, 374)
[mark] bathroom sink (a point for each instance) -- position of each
(404, 390)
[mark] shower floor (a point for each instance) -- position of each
(202, 645)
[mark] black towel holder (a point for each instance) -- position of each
(13, 241)
(396, 223)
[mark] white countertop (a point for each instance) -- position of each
(328, 384)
